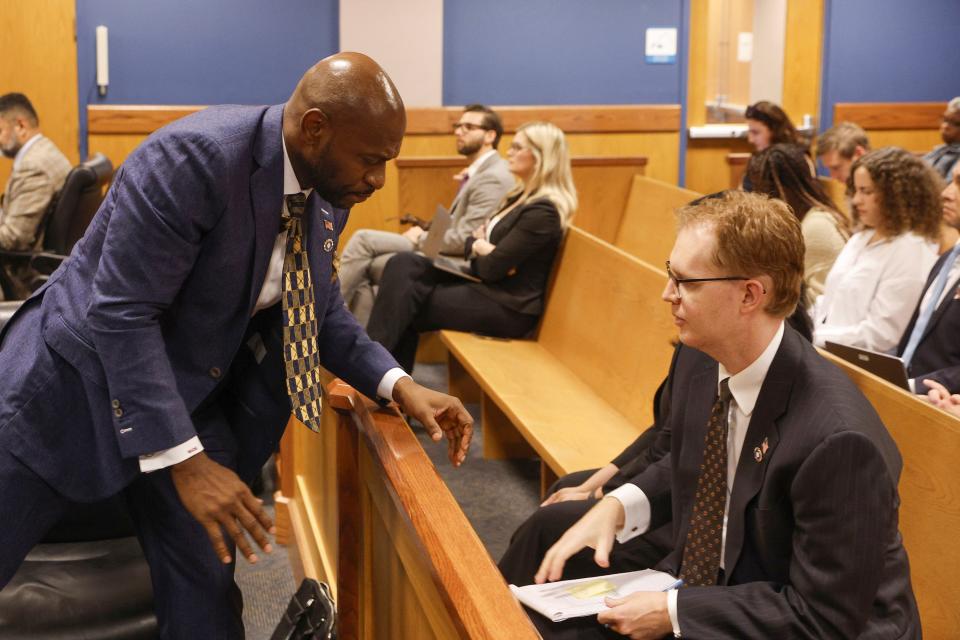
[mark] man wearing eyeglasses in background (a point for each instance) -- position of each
(781, 480)
(483, 184)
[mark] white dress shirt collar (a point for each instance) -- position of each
(26, 146)
(745, 386)
(290, 183)
(475, 165)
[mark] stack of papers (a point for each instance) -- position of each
(566, 599)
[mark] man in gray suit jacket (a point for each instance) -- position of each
(781, 481)
(482, 185)
(39, 169)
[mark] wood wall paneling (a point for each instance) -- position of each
(645, 130)
(891, 115)
(915, 126)
(707, 170)
(39, 59)
(802, 59)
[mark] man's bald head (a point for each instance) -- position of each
(343, 122)
(347, 85)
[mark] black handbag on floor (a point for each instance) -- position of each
(311, 614)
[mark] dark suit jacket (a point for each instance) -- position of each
(515, 274)
(938, 354)
(147, 317)
(812, 546)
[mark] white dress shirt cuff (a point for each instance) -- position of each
(913, 385)
(169, 457)
(672, 611)
(389, 380)
(636, 511)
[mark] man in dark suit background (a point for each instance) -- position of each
(157, 359)
(930, 346)
(781, 479)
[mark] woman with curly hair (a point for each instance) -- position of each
(781, 172)
(877, 279)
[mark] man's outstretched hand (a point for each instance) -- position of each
(439, 413)
(220, 501)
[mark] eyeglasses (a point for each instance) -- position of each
(468, 126)
(676, 282)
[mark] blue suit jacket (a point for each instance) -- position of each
(938, 354)
(115, 355)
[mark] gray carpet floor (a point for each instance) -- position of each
(495, 495)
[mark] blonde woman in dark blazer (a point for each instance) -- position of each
(512, 254)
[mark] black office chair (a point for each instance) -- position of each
(63, 224)
(88, 578)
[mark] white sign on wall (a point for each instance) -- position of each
(661, 45)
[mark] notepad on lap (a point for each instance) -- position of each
(567, 599)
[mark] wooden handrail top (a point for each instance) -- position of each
(576, 161)
(737, 159)
(140, 119)
(475, 594)
(890, 115)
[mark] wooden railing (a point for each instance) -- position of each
(407, 562)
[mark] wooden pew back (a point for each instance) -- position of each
(603, 185)
(605, 321)
(649, 229)
(929, 442)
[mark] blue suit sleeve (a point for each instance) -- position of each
(165, 199)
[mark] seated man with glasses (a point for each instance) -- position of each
(483, 185)
(781, 480)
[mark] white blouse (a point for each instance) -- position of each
(872, 290)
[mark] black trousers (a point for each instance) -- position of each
(415, 297)
(544, 527)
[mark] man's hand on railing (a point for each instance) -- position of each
(439, 413)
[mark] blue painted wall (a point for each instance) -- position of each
(557, 52)
(208, 52)
(890, 51)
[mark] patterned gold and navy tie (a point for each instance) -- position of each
(300, 349)
(700, 566)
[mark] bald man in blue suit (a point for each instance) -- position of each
(152, 361)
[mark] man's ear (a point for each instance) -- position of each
(315, 127)
(754, 294)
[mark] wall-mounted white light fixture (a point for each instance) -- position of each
(103, 61)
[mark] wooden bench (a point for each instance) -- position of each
(583, 389)
(929, 442)
(648, 228)
(603, 186)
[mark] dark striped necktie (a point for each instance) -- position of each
(701, 550)
(300, 349)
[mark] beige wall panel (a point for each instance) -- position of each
(39, 58)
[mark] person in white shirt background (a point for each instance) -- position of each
(877, 279)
